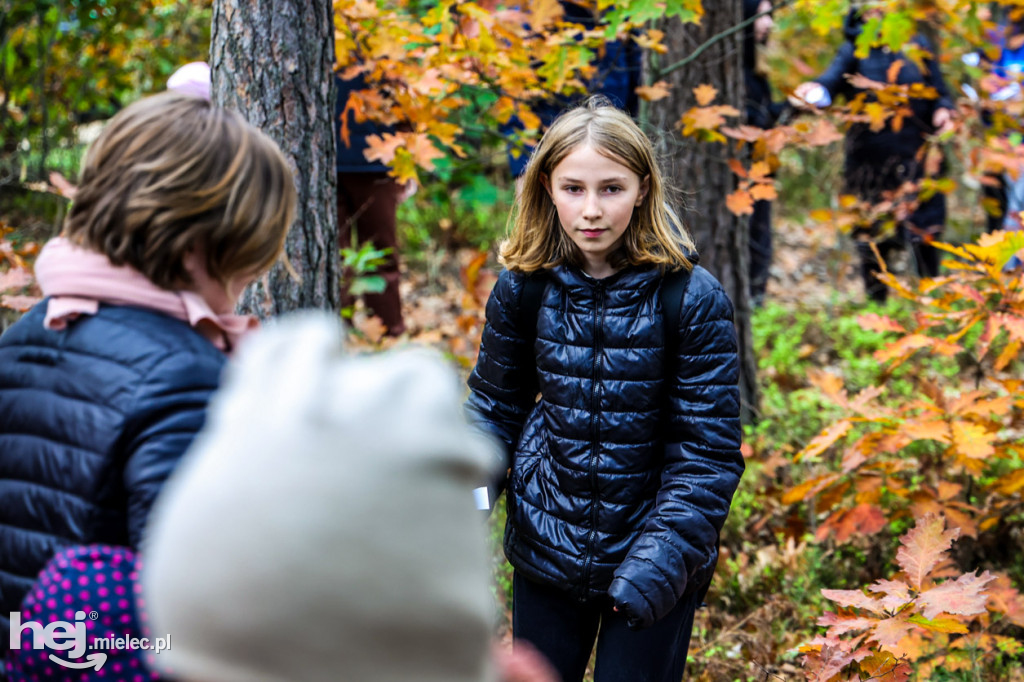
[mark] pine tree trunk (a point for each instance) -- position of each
(272, 60)
(700, 170)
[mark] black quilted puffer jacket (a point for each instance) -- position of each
(621, 476)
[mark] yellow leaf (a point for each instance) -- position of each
(950, 625)
(877, 115)
(705, 94)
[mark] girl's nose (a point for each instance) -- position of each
(592, 206)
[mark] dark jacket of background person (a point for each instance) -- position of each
(617, 74)
(873, 158)
(760, 110)
(92, 420)
(351, 157)
(620, 481)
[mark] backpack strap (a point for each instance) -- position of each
(673, 291)
(530, 297)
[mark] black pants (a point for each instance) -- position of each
(564, 630)
(760, 249)
(875, 183)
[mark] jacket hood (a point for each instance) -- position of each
(852, 25)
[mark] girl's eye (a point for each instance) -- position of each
(613, 189)
(572, 188)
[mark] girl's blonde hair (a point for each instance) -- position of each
(655, 235)
(172, 173)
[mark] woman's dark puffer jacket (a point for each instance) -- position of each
(92, 421)
(598, 503)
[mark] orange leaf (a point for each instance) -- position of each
(705, 94)
(972, 440)
(828, 383)
(880, 323)
(423, 151)
(866, 519)
(763, 192)
(383, 149)
(760, 171)
(740, 202)
(653, 93)
(923, 546)
(737, 168)
(881, 665)
(824, 440)
(808, 488)
(926, 429)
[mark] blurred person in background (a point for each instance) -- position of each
(879, 162)
(762, 112)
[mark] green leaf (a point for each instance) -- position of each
(868, 37)
(897, 29)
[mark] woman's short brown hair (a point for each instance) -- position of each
(172, 173)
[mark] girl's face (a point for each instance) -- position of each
(595, 197)
(764, 24)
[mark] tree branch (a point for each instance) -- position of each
(660, 73)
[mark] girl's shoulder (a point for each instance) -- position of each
(705, 296)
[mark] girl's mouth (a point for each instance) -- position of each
(592, 234)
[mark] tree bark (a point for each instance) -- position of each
(272, 60)
(700, 170)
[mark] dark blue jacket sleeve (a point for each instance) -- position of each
(170, 411)
(503, 386)
(676, 553)
(834, 77)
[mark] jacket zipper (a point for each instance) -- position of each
(595, 404)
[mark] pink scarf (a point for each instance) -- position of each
(77, 280)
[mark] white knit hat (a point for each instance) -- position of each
(322, 527)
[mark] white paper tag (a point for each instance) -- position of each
(482, 498)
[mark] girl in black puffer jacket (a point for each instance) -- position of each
(880, 161)
(623, 470)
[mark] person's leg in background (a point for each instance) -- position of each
(557, 624)
(367, 205)
(924, 225)
(760, 250)
(994, 199)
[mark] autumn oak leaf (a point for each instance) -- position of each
(964, 596)
(923, 546)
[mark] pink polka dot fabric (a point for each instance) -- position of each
(86, 595)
